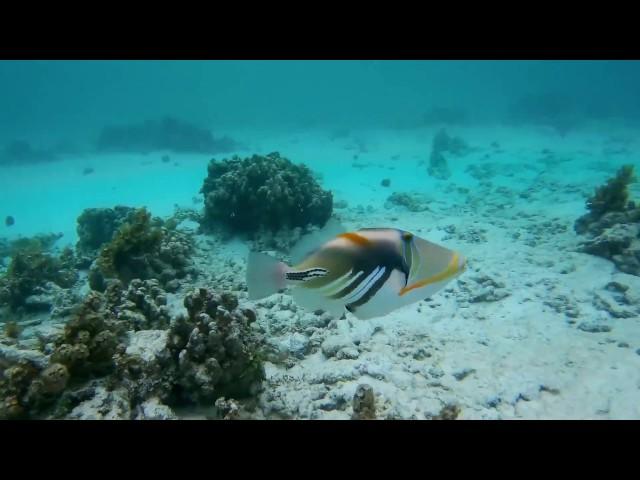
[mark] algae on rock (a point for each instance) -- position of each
(612, 226)
(96, 227)
(142, 248)
(30, 270)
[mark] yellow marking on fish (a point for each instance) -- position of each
(451, 269)
(356, 238)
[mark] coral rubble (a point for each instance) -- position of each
(121, 356)
(412, 202)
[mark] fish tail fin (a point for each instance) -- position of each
(265, 275)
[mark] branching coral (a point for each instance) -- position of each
(263, 192)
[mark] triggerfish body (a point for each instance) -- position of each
(370, 272)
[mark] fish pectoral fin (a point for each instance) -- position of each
(311, 300)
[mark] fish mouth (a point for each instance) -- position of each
(461, 264)
(457, 265)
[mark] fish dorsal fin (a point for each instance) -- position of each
(312, 241)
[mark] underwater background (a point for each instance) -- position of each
(132, 192)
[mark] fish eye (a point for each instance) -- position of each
(407, 236)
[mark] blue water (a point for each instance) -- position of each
(355, 123)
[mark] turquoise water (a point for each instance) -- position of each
(537, 328)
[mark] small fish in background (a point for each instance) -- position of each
(88, 171)
(370, 272)
(166, 159)
(9, 221)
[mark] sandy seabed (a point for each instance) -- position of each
(532, 330)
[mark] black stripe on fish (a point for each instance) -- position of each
(306, 275)
(371, 290)
(383, 254)
(354, 284)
